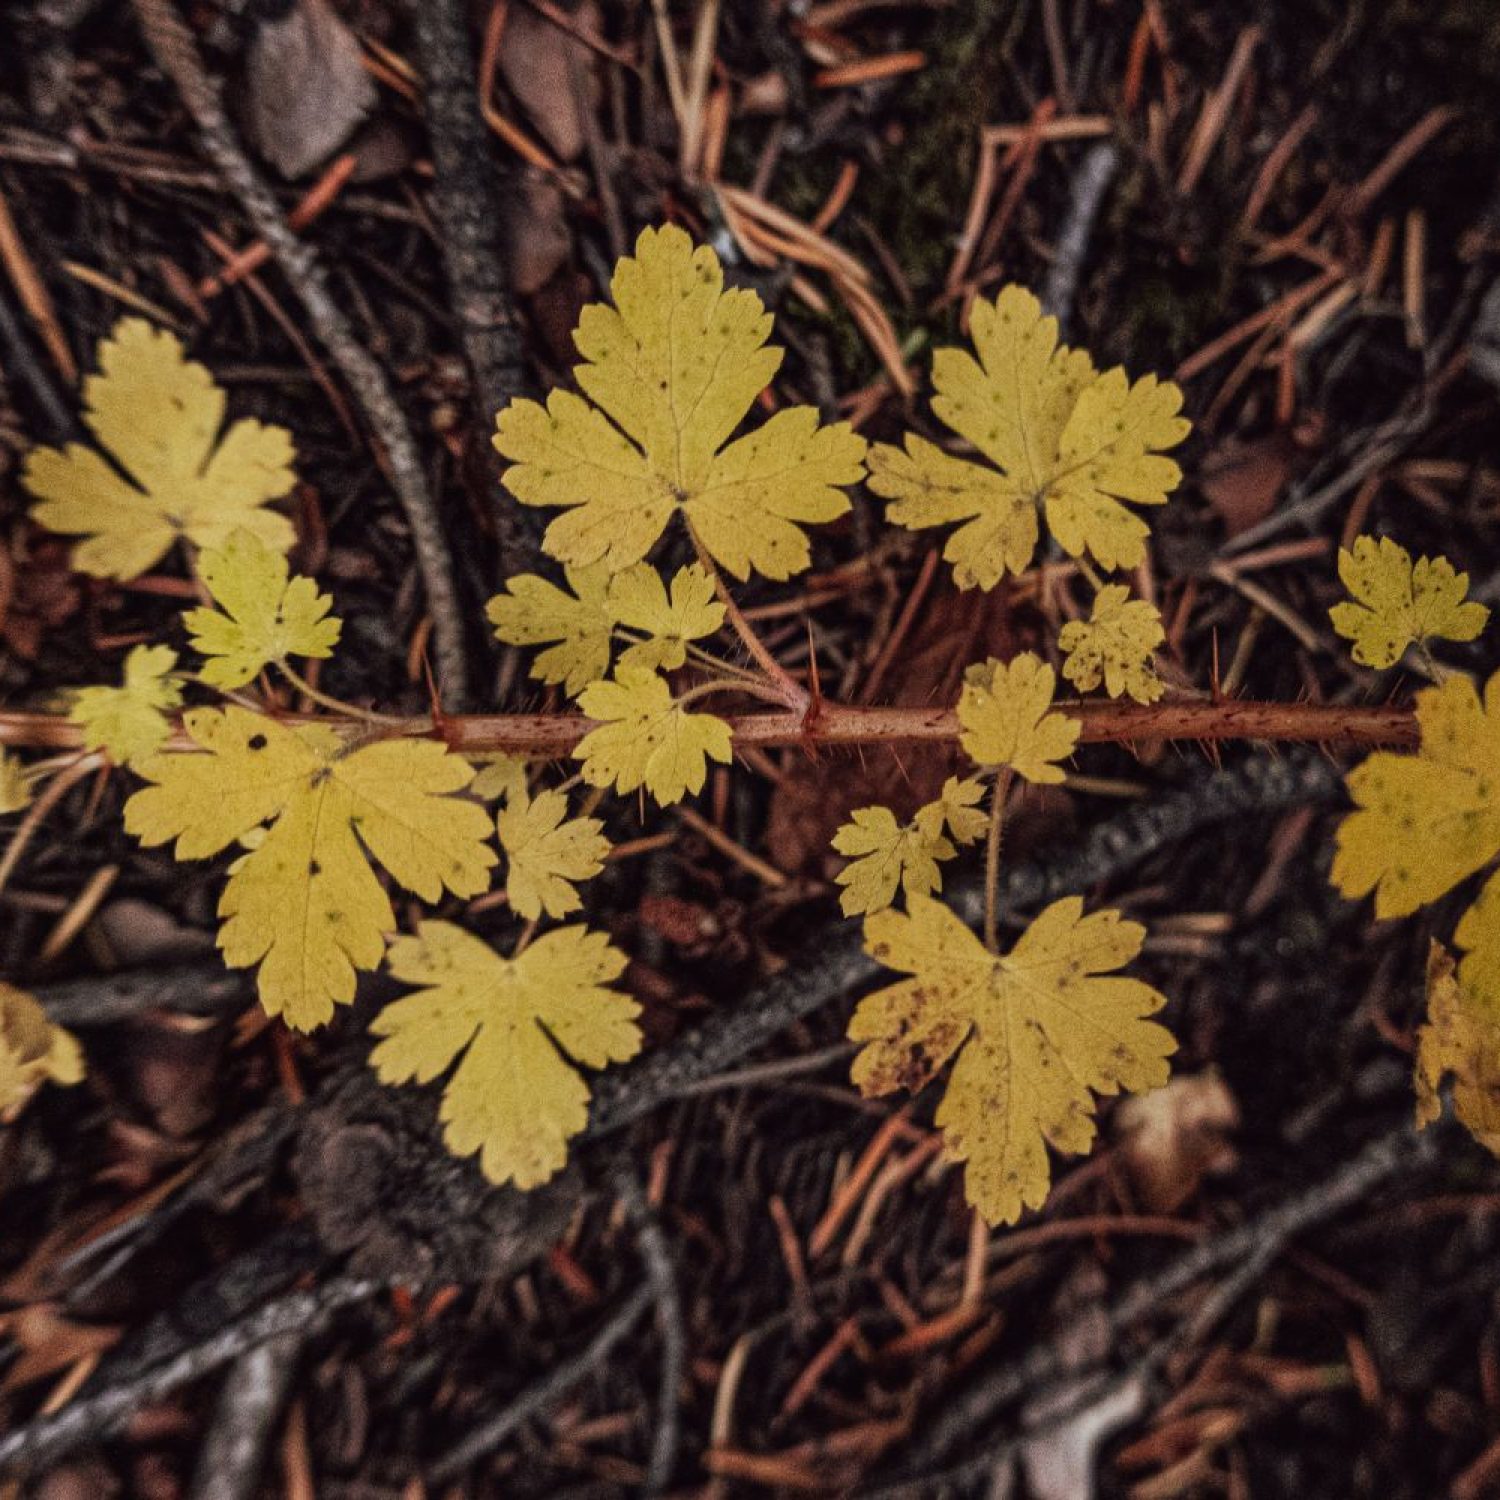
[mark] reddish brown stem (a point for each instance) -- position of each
(544, 735)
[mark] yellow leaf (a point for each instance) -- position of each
(960, 803)
(158, 416)
(304, 903)
(534, 611)
(1114, 646)
(32, 1051)
(498, 777)
(130, 722)
(671, 371)
(1463, 1039)
(546, 850)
(15, 785)
(267, 616)
(638, 599)
(645, 739)
(1424, 822)
(1004, 718)
(885, 854)
(1037, 1032)
(1400, 602)
(1062, 439)
(520, 1024)
(927, 487)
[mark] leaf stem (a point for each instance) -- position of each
(998, 794)
(790, 691)
(335, 705)
(753, 687)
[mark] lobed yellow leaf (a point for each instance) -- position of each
(646, 739)
(1114, 646)
(518, 1026)
(1063, 440)
(960, 802)
(885, 854)
(32, 1051)
(304, 903)
(267, 615)
(1037, 1033)
(1459, 1038)
(1424, 822)
(546, 851)
(671, 371)
(130, 721)
(638, 599)
(1005, 718)
(533, 611)
(158, 416)
(1400, 602)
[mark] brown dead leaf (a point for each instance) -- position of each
(306, 85)
(1175, 1136)
(49, 1341)
(534, 62)
(1243, 481)
(537, 241)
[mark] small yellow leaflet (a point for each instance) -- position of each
(32, 1052)
(267, 616)
(1005, 718)
(671, 371)
(959, 801)
(520, 1024)
(1424, 822)
(130, 722)
(1037, 1032)
(1114, 646)
(15, 784)
(1063, 440)
(1461, 1039)
(546, 851)
(645, 739)
(498, 777)
(534, 611)
(304, 903)
(884, 854)
(1400, 602)
(638, 599)
(158, 415)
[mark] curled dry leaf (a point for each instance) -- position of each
(1175, 1136)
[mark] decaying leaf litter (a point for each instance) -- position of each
(1369, 287)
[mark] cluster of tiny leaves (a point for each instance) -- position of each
(651, 457)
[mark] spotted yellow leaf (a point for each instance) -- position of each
(1061, 440)
(1424, 822)
(1037, 1033)
(1397, 602)
(1459, 1039)
(669, 373)
(646, 739)
(638, 599)
(130, 721)
(169, 473)
(15, 784)
(546, 852)
(264, 615)
(1005, 718)
(885, 854)
(1114, 646)
(304, 903)
(533, 611)
(32, 1051)
(521, 1026)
